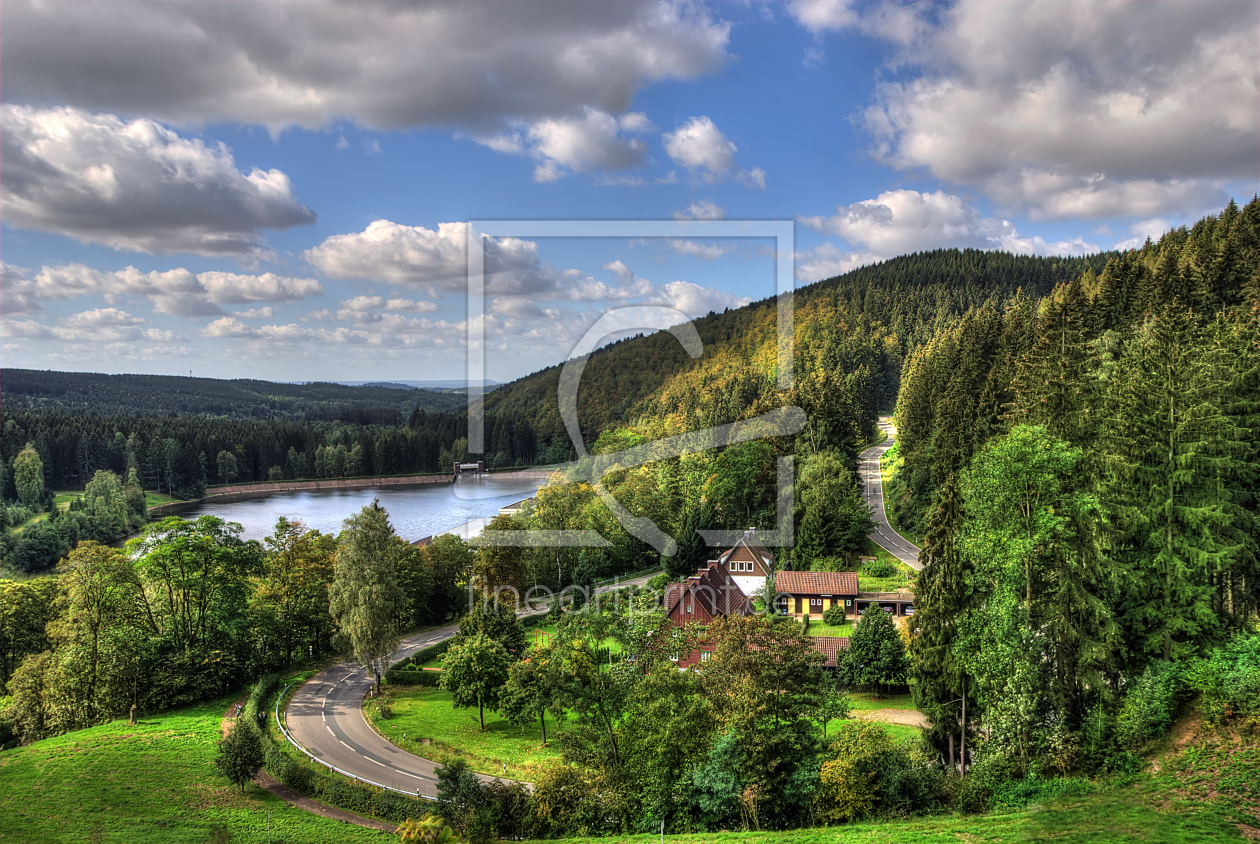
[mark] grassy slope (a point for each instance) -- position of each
(153, 783)
(427, 714)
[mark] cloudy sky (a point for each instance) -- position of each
(283, 190)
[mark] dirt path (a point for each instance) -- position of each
(267, 782)
(908, 717)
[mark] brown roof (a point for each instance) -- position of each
(816, 582)
(750, 541)
(830, 647)
(712, 588)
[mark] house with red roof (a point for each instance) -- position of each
(802, 593)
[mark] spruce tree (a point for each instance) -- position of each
(1172, 451)
(941, 597)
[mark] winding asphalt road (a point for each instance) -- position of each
(325, 716)
(873, 489)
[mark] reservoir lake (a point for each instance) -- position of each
(415, 512)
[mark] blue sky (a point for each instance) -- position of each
(280, 191)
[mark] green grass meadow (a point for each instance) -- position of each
(152, 783)
(420, 714)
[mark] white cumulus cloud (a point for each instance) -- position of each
(136, 185)
(397, 253)
(474, 66)
(1080, 108)
(703, 209)
(178, 292)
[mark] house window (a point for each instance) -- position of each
(733, 565)
(689, 608)
(848, 602)
(704, 656)
(815, 602)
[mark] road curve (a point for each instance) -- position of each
(873, 490)
(325, 716)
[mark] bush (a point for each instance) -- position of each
(658, 583)
(255, 709)
(834, 615)
(1150, 705)
(879, 568)
(1229, 680)
(829, 564)
(868, 776)
(404, 677)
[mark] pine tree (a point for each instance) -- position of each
(1172, 451)
(941, 598)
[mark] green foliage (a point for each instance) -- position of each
(831, 514)
(878, 568)
(427, 830)
(28, 476)
(496, 620)
(1150, 705)
(474, 671)
(867, 775)
(480, 811)
(240, 753)
(876, 658)
(834, 615)
(365, 597)
(1229, 681)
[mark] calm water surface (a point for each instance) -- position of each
(415, 513)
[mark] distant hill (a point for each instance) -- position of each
(97, 393)
(861, 325)
(459, 385)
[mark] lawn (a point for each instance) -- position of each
(151, 783)
(822, 628)
(152, 499)
(902, 579)
(422, 714)
(1111, 817)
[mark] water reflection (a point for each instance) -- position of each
(415, 513)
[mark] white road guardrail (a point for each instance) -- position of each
(315, 758)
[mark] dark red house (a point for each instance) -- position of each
(708, 594)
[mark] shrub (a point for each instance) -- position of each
(879, 568)
(1229, 680)
(659, 582)
(868, 775)
(1150, 705)
(405, 677)
(834, 615)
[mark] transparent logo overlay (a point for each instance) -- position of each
(783, 421)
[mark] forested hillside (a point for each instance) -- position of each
(97, 394)
(871, 317)
(1085, 468)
